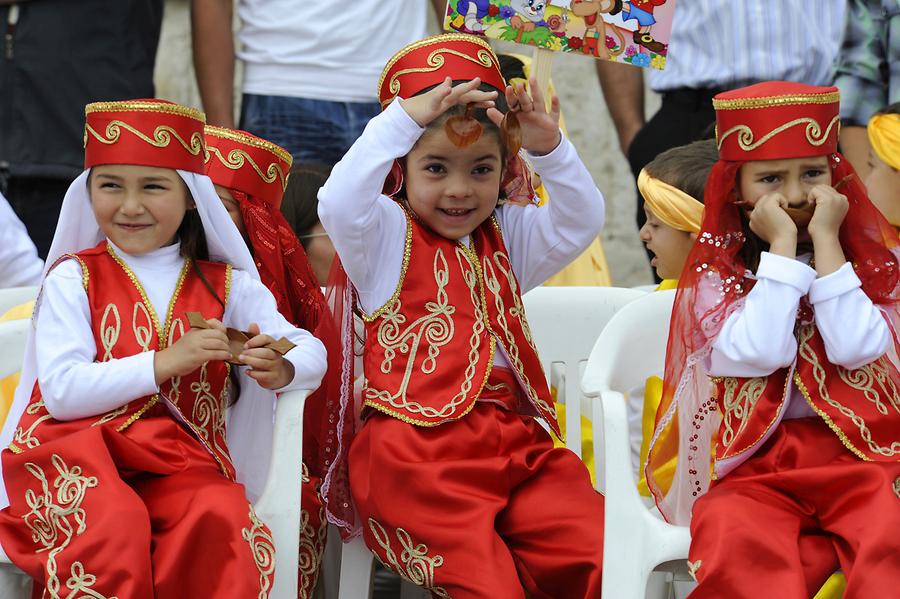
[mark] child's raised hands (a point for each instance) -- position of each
(427, 107)
(191, 351)
(540, 129)
(831, 208)
(773, 225)
(267, 367)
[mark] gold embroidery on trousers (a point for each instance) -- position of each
(694, 567)
(312, 546)
(807, 353)
(738, 410)
(56, 517)
(26, 436)
(897, 487)
(262, 546)
(414, 564)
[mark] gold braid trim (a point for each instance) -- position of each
(834, 427)
(250, 140)
(407, 252)
(770, 101)
(145, 106)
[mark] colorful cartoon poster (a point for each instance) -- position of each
(631, 31)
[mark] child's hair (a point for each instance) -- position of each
(890, 109)
(300, 203)
(511, 67)
(686, 167)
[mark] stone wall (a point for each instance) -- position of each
(588, 121)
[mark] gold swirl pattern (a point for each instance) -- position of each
(26, 436)
(109, 332)
(162, 136)
(808, 353)
(237, 158)
(56, 516)
(262, 545)
(143, 333)
(867, 377)
(414, 564)
(312, 546)
(436, 60)
(814, 134)
(738, 407)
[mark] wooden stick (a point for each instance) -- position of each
(541, 65)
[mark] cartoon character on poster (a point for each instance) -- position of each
(630, 31)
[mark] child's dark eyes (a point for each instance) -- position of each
(154, 187)
(769, 179)
(482, 170)
(814, 173)
(109, 185)
(435, 168)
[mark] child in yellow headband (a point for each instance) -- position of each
(672, 187)
(883, 181)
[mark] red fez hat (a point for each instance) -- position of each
(776, 120)
(146, 132)
(239, 160)
(428, 62)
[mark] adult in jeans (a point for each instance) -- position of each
(59, 55)
(311, 68)
(717, 45)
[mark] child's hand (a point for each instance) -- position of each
(191, 351)
(267, 367)
(773, 225)
(427, 107)
(831, 208)
(540, 129)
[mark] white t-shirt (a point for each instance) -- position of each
(323, 49)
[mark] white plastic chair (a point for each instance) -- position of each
(13, 296)
(564, 323)
(637, 540)
(278, 507)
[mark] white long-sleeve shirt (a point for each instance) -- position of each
(19, 261)
(368, 229)
(759, 338)
(74, 386)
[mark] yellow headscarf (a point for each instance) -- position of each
(671, 205)
(884, 134)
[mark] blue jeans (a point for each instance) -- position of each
(311, 130)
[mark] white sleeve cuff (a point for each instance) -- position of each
(402, 125)
(558, 155)
(785, 270)
(835, 284)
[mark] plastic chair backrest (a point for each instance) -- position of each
(632, 346)
(12, 345)
(565, 322)
(13, 296)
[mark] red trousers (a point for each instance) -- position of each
(140, 514)
(773, 526)
(313, 531)
(479, 507)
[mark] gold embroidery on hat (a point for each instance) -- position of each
(162, 136)
(435, 61)
(237, 158)
(814, 134)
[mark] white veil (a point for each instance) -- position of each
(250, 420)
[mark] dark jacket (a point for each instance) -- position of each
(57, 57)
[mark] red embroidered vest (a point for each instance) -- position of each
(430, 349)
(861, 406)
(124, 324)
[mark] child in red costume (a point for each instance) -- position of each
(118, 476)
(456, 485)
(250, 177)
(782, 362)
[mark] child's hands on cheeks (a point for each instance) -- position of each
(191, 351)
(540, 129)
(831, 209)
(267, 367)
(773, 225)
(427, 107)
